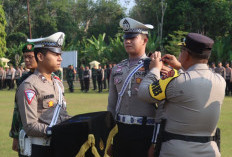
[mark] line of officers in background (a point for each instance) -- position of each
(226, 73)
(98, 75)
(10, 75)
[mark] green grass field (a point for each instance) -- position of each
(89, 102)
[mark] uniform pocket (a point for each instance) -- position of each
(47, 103)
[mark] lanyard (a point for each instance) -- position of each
(125, 84)
(58, 106)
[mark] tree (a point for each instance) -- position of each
(98, 46)
(153, 43)
(16, 15)
(2, 32)
(151, 12)
(15, 39)
(116, 51)
(222, 49)
(209, 17)
(172, 44)
(107, 14)
(12, 51)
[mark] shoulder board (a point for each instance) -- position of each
(31, 78)
(158, 89)
(123, 61)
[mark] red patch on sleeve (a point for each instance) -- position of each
(56, 77)
(30, 94)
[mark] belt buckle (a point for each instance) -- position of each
(46, 142)
(132, 120)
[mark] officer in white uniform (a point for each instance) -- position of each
(135, 118)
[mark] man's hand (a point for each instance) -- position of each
(165, 69)
(172, 61)
(15, 144)
(156, 61)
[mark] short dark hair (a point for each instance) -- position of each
(203, 55)
(144, 36)
(41, 50)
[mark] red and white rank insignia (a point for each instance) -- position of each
(30, 94)
(56, 77)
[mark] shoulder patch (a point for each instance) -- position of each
(158, 89)
(56, 77)
(30, 94)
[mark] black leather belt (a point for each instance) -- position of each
(201, 139)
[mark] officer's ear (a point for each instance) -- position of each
(40, 56)
(145, 38)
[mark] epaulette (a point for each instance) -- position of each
(146, 63)
(31, 79)
(123, 61)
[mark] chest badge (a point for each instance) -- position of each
(142, 69)
(138, 80)
(119, 68)
(50, 104)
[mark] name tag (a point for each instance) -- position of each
(49, 96)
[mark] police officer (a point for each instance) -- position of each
(192, 99)
(105, 76)
(39, 95)
(18, 74)
(87, 75)
(221, 70)
(70, 77)
(30, 63)
(10, 74)
(1, 77)
(5, 80)
(108, 72)
(228, 78)
(135, 118)
(100, 78)
(94, 77)
(213, 67)
(81, 77)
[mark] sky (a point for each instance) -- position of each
(128, 4)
